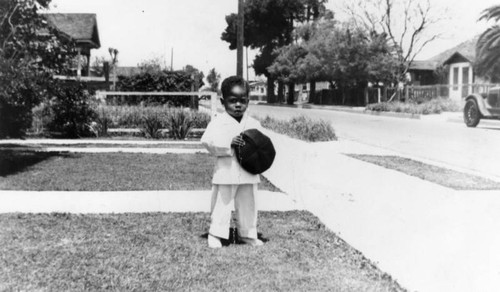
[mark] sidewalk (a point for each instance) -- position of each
(428, 237)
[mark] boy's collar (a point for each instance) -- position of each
(229, 118)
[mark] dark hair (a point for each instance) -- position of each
(232, 81)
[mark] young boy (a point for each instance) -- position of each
(231, 184)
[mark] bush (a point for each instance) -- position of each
(101, 124)
(41, 118)
(302, 128)
(72, 111)
(176, 81)
(22, 88)
(434, 106)
(200, 119)
(151, 125)
(132, 116)
(180, 122)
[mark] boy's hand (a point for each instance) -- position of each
(237, 141)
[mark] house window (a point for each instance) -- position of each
(465, 80)
(465, 75)
(455, 78)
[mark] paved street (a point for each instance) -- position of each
(448, 143)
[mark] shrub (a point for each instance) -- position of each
(180, 122)
(72, 111)
(22, 88)
(41, 118)
(201, 119)
(101, 124)
(151, 126)
(172, 81)
(132, 116)
(302, 128)
(434, 106)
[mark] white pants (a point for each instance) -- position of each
(243, 199)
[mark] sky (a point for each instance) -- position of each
(146, 29)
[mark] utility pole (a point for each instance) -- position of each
(240, 39)
(246, 60)
(172, 60)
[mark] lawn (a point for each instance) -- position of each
(56, 171)
(439, 175)
(168, 252)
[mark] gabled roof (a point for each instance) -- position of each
(81, 27)
(465, 52)
(466, 49)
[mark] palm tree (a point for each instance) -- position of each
(488, 45)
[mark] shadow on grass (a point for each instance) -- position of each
(234, 238)
(14, 161)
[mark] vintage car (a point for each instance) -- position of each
(482, 106)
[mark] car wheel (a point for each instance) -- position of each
(471, 113)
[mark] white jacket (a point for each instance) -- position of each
(217, 139)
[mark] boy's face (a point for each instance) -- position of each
(236, 104)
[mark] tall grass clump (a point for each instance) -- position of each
(151, 125)
(301, 127)
(180, 122)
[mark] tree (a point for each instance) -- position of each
(287, 67)
(342, 54)
(488, 46)
(196, 75)
(406, 24)
(269, 25)
(150, 66)
(213, 79)
(31, 51)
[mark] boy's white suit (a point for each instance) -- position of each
(232, 185)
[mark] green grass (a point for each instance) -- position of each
(301, 127)
(168, 252)
(439, 175)
(55, 171)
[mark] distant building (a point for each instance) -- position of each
(454, 67)
(258, 90)
(82, 29)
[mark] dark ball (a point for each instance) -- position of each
(257, 155)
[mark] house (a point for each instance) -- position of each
(258, 90)
(454, 67)
(80, 28)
